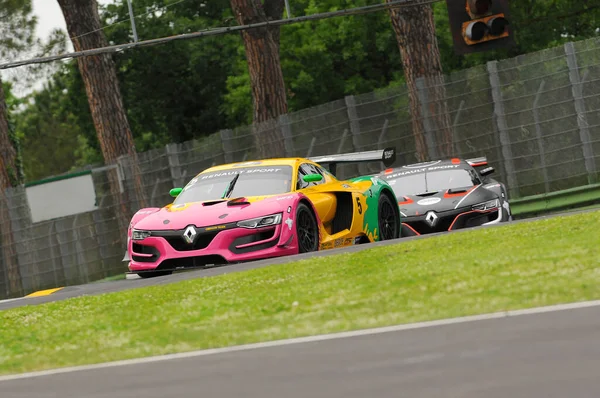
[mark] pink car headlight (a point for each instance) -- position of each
(259, 222)
(139, 235)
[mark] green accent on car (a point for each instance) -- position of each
(312, 178)
(372, 194)
(371, 222)
(175, 192)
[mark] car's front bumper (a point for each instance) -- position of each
(166, 250)
(450, 220)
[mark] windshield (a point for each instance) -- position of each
(433, 181)
(252, 181)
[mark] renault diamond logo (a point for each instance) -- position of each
(189, 234)
(431, 218)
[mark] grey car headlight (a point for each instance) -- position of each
(490, 204)
(136, 234)
(258, 222)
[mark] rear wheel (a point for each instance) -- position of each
(389, 221)
(307, 230)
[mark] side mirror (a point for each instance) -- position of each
(487, 171)
(175, 192)
(312, 178)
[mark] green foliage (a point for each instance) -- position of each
(51, 129)
(325, 60)
(188, 89)
(173, 92)
(537, 25)
(16, 27)
(16, 177)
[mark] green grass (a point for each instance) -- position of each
(590, 207)
(517, 266)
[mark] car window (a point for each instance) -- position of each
(414, 184)
(306, 169)
(252, 181)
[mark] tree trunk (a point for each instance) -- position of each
(266, 78)
(8, 154)
(8, 176)
(104, 97)
(415, 32)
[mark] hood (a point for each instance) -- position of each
(203, 214)
(439, 201)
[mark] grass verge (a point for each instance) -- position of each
(517, 266)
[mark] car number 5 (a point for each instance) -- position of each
(359, 205)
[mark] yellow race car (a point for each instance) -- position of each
(260, 209)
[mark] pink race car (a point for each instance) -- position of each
(269, 208)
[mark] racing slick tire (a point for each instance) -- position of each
(154, 274)
(307, 229)
(388, 219)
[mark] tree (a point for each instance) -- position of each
(191, 74)
(106, 105)
(205, 83)
(16, 34)
(266, 78)
(9, 177)
(415, 32)
(325, 60)
(11, 172)
(45, 126)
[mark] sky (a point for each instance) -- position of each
(50, 17)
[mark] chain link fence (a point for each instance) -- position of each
(536, 118)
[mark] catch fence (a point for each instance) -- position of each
(536, 117)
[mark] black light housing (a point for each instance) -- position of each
(497, 25)
(479, 8)
(479, 25)
(476, 30)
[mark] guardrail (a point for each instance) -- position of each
(531, 206)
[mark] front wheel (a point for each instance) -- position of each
(307, 230)
(389, 220)
(505, 207)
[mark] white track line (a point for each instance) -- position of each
(323, 337)
(9, 300)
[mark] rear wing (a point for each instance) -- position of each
(481, 165)
(387, 156)
(477, 162)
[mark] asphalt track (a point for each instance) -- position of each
(120, 285)
(551, 354)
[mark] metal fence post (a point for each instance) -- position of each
(584, 131)
(54, 258)
(174, 166)
(354, 128)
(492, 68)
(286, 131)
(226, 143)
(310, 148)
(428, 128)
(342, 141)
(79, 256)
(454, 123)
(538, 133)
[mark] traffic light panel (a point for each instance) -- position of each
(479, 25)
